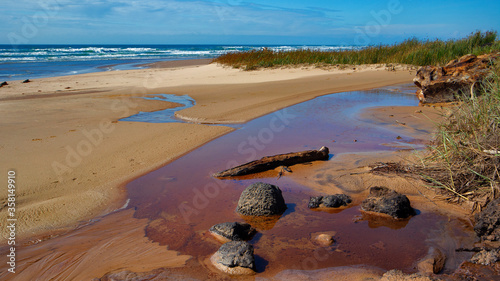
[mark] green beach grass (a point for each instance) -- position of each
(411, 51)
(464, 159)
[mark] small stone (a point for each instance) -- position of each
(329, 201)
(4, 84)
(324, 239)
(235, 258)
(26, 81)
(386, 201)
(433, 263)
(233, 231)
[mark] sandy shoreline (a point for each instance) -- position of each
(71, 155)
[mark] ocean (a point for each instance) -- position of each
(41, 61)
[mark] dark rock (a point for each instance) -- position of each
(233, 231)
(4, 84)
(441, 84)
(235, 258)
(329, 201)
(261, 199)
(386, 201)
(26, 81)
(488, 222)
(314, 202)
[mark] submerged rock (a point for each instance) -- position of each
(235, 258)
(329, 201)
(261, 199)
(487, 224)
(386, 201)
(440, 84)
(233, 231)
(324, 239)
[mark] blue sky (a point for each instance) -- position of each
(241, 22)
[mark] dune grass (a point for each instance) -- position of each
(464, 159)
(411, 51)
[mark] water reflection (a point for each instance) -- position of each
(378, 220)
(166, 115)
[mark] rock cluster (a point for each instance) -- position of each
(264, 201)
(389, 202)
(440, 84)
(329, 201)
(236, 257)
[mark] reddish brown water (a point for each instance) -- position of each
(182, 201)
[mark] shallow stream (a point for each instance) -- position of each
(183, 201)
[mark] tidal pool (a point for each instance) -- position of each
(183, 201)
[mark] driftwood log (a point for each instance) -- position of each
(272, 162)
(467, 74)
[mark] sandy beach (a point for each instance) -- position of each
(72, 155)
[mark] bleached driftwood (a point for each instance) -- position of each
(272, 162)
(492, 152)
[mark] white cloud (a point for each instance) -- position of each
(173, 17)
